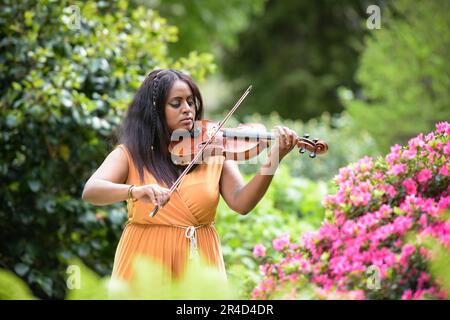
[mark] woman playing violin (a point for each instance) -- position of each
(140, 171)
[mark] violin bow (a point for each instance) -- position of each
(197, 156)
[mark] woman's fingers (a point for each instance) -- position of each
(287, 137)
(163, 195)
(151, 195)
(293, 138)
(282, 136)
(286, 140)
(155, 194)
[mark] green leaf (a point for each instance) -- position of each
(34, 185)
(21, 269)
(13, 288)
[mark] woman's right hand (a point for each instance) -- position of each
(152, 193)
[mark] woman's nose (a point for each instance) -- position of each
(185, 107)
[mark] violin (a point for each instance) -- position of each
(243, 142)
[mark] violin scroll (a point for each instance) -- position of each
(314, 146)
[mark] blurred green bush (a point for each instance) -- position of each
(64, 87)
(200, 282)
(297, 54)
(404, 73)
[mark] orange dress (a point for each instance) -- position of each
(182, 228)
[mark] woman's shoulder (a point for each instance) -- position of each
(122, 148)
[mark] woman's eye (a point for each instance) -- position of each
(177, 104)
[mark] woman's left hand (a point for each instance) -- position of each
(285, 142)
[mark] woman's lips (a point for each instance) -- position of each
(186, 121)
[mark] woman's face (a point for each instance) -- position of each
(180, 107)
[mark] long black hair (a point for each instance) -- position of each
(144, 130)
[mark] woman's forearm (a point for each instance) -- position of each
(250, 194)
(102, 192)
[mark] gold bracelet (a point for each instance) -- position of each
(130, 193)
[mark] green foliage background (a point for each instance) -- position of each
(207, 26)
(404, 73)
(64, 91)
(62, 94)
(297, 55)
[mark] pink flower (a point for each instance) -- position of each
(443, 127)
(423, 220)
(360, 198)
(390, 259)
(402, 224)
(410, 185)
(419, 294)
(424, 175)
(356, 295)
(424, 252)
(444, 203)
(407, 251)
(424, 277)
(259, 251)
(378, 176)
(281, 242)
(444, 170)
(446, 149)
(353, 237)
(394, 155)
(416, 142)
(328, 200)
(397, 169)
(305, 266)
(409, 154)
(384, 212)
(407, 295)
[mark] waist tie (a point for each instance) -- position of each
(191, 234)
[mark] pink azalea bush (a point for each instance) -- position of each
(371, 245)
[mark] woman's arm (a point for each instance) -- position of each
(242, 197)
(239, 196)
(107, 184)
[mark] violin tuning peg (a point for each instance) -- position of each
(312, 155)
(306, 135)
(315, 140)
(302, 150)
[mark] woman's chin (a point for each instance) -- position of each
(186, 125)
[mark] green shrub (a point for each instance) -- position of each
(63, 91)
(199, 282)
(404, 73)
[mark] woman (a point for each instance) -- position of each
(140, 170)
